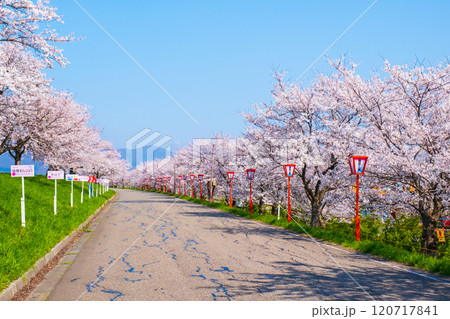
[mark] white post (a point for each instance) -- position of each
(22, 203)
(96, 195)
(82, 190)
(279, 210)
(55, 199)
(89, 188)
(71, 196)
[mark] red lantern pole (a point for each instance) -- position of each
(251, 204)
(184, 187)
(179, 186)
(357, 209)
(230, 196)
(192, 188)
(289, 199)
(200, 190)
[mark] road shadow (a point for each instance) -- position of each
(299, 281)
(324, 279)
(247, 226)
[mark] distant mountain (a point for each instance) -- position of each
(40, 169)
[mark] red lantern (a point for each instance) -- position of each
(251, 174)
(357, 164)
(357, 167)
(289, 170)
(230, 176)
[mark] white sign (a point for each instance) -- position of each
(71, 177)
(22, 170)
(81, 178)
(55, 174)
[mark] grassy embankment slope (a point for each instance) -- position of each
(21, 247)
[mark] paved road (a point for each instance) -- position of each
(191, 252)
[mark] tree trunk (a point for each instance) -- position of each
(208, 186)
(429, 242)
(315, 214)
(17, 155)
(430, 220)
(274, 210)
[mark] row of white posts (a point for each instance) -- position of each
(28, 171)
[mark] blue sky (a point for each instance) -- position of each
(217, 58)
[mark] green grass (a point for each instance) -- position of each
(342, 234)
(21, 247)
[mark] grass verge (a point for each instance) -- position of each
(21, 247)
(342, 237)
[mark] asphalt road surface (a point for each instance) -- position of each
(149, 246)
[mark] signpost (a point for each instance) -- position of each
(55, 175)
(230, 176)
(91, 180)
(200, 178)
(289, 170)
(357, 167)
(71, 178)
(251, 176)
(82, 179)
(22, 171)
(441, 234)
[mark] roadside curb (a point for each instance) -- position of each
(18, 284)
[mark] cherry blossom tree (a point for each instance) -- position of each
(22, 87)
(302, 120)
(403, 126)
(20, 23)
